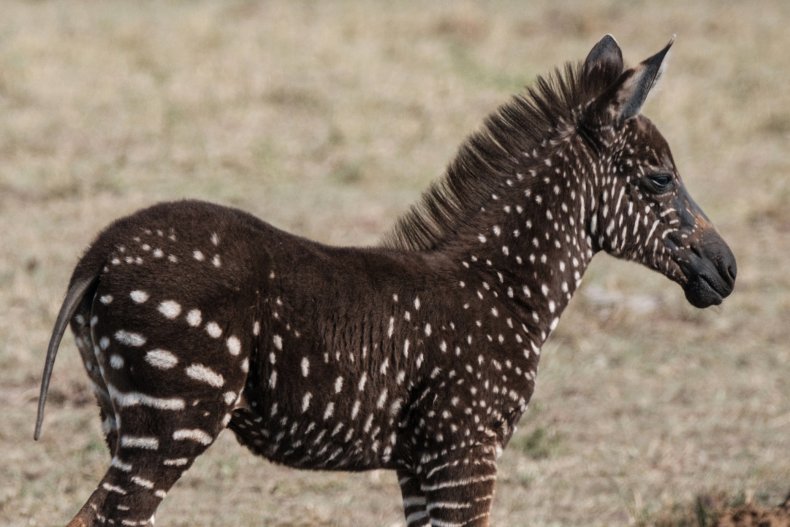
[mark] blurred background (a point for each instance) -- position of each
(328, 119)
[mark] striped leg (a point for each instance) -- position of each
(154, 449)
(413, 500)
(459, 492)
(171, 389)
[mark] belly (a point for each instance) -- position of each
(305, 443)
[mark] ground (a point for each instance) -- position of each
(328, 119)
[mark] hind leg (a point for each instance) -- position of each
(153, 450)
(172, 384)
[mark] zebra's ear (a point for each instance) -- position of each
(605, 56)
(624, 99)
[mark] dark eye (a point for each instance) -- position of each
(660, 182)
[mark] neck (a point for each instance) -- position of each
(515, 207)
(528, 247)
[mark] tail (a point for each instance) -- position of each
(74, 296)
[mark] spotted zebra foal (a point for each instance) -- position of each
(417, 356)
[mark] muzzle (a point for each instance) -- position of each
(710, 271)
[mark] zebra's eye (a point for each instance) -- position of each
(660, 182)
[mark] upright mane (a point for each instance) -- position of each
(490, 156)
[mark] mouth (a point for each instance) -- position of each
(706, 285)
(701, 293)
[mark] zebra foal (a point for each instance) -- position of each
(418, 356)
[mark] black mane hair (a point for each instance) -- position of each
(489, 156)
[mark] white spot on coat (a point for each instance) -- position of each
(116, 361)
(145, 483)
(120, 465)
(123, 400)
(170, 309)
(175, 462)
(161, 359)
(234, 346)
(128, 338)
(147, 443)
(213, 329)
(205, 374)
(195, 434)
(194, 318)
(139, 296)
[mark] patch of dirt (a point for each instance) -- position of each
(722, 510)
(752, 515)
(74, 393)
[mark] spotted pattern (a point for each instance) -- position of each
(418, 357)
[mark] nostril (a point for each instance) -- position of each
(716, 252)
(732, 271)
(728, 270)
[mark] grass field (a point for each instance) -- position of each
(328, 119)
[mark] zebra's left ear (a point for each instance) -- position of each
(605, 55)
(624, 99)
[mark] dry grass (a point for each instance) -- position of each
(327, 119)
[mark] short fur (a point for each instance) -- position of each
(419, 356)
